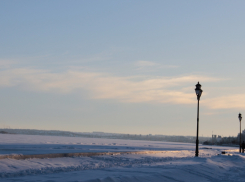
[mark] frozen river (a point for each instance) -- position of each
(172, 162)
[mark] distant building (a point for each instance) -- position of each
(219, 138)
(214, 138)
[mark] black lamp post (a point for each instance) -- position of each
(240, 119)
(198, 93)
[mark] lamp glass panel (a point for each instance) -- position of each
(200, 92)
(197, 91)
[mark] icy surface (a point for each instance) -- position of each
(174, 162)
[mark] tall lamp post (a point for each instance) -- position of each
(198, 93)
(240, 119)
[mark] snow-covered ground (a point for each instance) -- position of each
(173, 162)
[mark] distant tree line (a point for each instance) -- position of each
(149, 137)
(231, 140)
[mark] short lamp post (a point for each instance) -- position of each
(240, 119)
(198, 93)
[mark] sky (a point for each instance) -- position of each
(122, 66)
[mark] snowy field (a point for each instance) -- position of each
(171, 161)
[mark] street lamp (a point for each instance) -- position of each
(240, 119)
(198, 93)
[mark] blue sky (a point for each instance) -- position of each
(122, 66)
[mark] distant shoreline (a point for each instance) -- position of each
(165, 138)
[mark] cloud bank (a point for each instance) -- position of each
(105, 86)
(235, 101)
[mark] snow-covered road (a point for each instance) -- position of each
(175, 163)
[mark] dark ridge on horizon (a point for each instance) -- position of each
(149, 137)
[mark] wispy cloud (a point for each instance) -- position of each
(149, 65)
(227, 102)
(145, 63)
(6, 63)
(104, 85)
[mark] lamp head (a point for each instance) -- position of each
(240, 116)
(198, 90)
